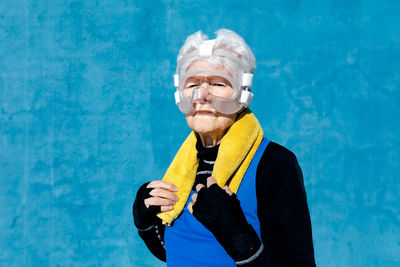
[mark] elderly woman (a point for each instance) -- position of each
(230, 196)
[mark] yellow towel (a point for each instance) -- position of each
(235, 153)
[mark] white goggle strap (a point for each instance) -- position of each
(177, 94)
(206, 48)
(177, 97)
(246, 96)
(247, 80)
(176, 80)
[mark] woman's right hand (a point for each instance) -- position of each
(152, 198)
(161, 195)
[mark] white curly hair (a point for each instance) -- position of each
(228, 43)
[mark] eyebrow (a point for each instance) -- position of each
(209, 78)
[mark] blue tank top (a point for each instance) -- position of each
(189, 243)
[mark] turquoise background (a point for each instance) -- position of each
(87, 115)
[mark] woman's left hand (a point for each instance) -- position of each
(210, 181)
(219, 210)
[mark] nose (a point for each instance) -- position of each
(201, 94)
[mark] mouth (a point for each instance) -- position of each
(204, 112)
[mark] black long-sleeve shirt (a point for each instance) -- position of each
(281, 208)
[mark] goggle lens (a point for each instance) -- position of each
(217, 86)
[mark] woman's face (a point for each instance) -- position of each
(205, 120)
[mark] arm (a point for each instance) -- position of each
(154, 240)
(152, 198)
(282, 210)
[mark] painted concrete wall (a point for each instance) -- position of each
(87, 115)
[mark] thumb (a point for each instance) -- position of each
(228, 190)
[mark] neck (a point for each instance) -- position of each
(211, 140)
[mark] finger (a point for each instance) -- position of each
(166, 208)
(211, 180)
(194, 197)
(156, 201)
(157, 192)
(199, 186)
(163, 185)
(227, 189)
(190, 207)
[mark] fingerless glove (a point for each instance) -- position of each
(222, 215)
(144, 217)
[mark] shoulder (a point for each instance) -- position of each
(277, 156)
(278, 167)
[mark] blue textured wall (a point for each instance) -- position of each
(87, 115)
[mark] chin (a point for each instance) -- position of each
(204, 124)
(207, 124)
